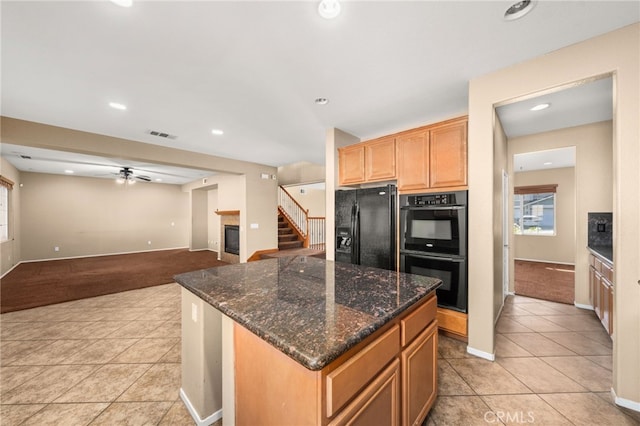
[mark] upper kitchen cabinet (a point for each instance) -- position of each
(433, 156)
(413, 160)
(372, 161)
(351, 164)
(448, 155)
(429, 157)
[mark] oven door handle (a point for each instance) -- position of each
(432, 208)
(445, 259)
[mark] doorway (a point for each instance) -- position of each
(575, 125)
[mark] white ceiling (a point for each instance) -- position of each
(253, 69)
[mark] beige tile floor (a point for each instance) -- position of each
(115, 360)
(553, 367)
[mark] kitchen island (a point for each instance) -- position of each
(310, 341)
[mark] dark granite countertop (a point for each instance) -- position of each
(604, 251)
(311, 309)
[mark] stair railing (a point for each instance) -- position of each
(310, 228)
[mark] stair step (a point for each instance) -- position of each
(287, 237)
(282, 231)
(286, 245)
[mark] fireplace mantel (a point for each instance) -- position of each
(227, 212)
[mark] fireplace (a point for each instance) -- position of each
(232, 239)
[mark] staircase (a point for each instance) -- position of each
(287, 237)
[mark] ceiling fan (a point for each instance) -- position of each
(125, 175)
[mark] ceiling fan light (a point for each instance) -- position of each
(329, 9)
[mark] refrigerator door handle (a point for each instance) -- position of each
(355, 230)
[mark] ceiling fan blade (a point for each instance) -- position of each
(144, 178)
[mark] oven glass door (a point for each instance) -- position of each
(434, 229)
(452, 294)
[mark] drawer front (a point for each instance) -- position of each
(597, 264)
(607, 271)
(418, 320)
(377, 404)
(345, 381)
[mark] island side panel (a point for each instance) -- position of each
(266, 380)
(201, 387)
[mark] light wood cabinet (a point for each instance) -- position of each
(351, 164)
(448, 155)
(433, 157)
(429, 157)
(413, 160)
(380, 160)
(372, 161)
(377, 404)
(602, 290)
(389, 378)
(419, 378)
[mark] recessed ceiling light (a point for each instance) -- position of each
(540, 107)
(69, 172)
(217, 132)
(518, 10)
(548, 163)
(116, 105)
(158, 180)
(123, 3)
(321, 101)
(329, 9)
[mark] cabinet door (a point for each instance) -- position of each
(606, 303)
(377, 404)
(380, 160)
(351, 164)
(419, 376)
(413, 161)
(593, 287)
(448, 155)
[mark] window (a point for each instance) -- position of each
(534, 210)
(5, 188)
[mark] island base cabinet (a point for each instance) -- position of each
(419, 376)
(377, 404)
(387, 379)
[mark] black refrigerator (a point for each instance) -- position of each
(365, 227)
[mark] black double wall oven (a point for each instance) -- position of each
(433, 242)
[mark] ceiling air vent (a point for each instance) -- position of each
(26, 157)
(161, 134)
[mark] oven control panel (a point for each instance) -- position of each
(432, 199)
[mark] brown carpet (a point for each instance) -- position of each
(547, 281)
(45, 283)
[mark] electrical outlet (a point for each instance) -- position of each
(254, 226)
(601, 227)
(56, 248)
(194, 312)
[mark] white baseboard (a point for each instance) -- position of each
(626, 403)
(104, 254)
(481, 354)
(555, 262)
(200, 422)
(583, 306)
